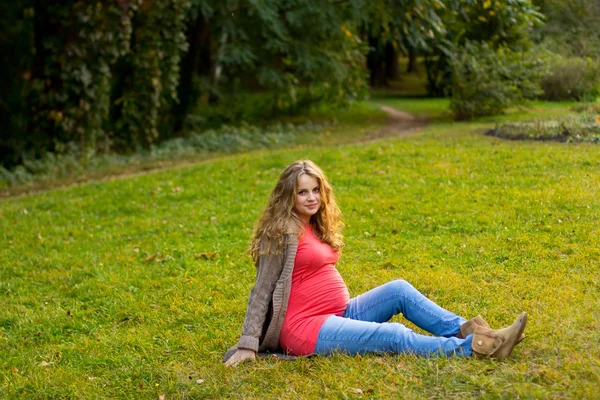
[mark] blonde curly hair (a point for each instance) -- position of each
(279, 217)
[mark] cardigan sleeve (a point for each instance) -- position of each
(268, 271)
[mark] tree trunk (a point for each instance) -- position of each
(412, 60)
(392, 70)
(375, 63)
(44, 69)
(196, 59)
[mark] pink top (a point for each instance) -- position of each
(318, 291)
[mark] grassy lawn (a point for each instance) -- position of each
(134, 288)
(438, 109)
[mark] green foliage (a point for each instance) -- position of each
(487, 81)
(571, 27)
(571, 78)
(106, 74)
(153, 64)
(569, 129)
(121, 75)
(76, 44)
(394, 26)
(590, 108)
(411, 22)
(497, 23)
(16, 27)
(285, 47)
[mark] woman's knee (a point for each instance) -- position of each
(402, 337)
(401, 285)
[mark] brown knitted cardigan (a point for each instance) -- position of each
(268, 300)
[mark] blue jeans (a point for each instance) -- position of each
(364, 328)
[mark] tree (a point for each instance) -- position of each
(498, 23)
(571, 27)
(393, 26)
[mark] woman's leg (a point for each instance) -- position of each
(359, 337)
(395, 297)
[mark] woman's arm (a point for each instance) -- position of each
(269, 267)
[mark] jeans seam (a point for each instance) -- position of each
(379, 303)
(394, 296)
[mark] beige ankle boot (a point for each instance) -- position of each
(498, 344)
(469, 327)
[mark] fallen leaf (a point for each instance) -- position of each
(388, 265)
(91, 378)
(356, 391)
(206, 256)
(150, 258)
(199, 381)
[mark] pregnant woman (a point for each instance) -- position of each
(301, 305)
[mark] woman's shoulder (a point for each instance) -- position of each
(278, 245)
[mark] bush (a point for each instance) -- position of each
(572, 78)
(589, 108)
(487, 81)
(583, 128)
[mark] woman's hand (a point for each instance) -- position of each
(239, 356)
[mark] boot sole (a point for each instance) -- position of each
(514, 339)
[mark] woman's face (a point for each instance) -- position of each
(308, 197)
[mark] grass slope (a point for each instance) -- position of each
(134, 288)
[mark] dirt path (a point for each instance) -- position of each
(400, 123)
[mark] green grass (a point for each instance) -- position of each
(438, 109)
(434, 108)
(134, 288)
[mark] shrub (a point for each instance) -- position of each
(582, 128)
(572, 78)
(589, 108)
(487, 81)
